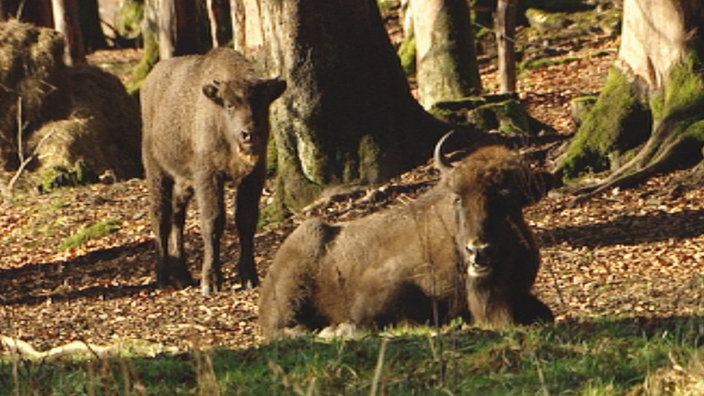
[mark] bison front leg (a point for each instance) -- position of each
(246, 218)
(209, 194)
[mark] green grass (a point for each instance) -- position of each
(598, 357)
(95, 231)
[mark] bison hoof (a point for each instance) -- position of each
(346, 330)
(248, 285)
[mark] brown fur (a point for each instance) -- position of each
(205, 120)
(410, 263)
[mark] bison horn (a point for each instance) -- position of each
(440, 161)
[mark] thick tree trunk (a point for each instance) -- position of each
(219, 19)
(66, 21)
(347, 115)
(506, 49)
(656, 85)
(92, 32)
(37, 12)
(446, 66)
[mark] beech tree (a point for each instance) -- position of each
(649, 118)
(446, 61)
(347, 115)
(66, 21)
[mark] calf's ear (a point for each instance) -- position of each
(212, 90)
(271, 89)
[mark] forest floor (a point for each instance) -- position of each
(626, 253)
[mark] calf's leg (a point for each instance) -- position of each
(209, 194)
(160, 194)
(180, 276)
(246, 218)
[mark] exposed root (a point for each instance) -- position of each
(666, 148)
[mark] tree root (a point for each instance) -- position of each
(666, 148)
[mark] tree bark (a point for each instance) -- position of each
(92, 32)
(505, 39)
(657, 81)
(446, 66)
(166, 28)
(37, 12)
(347, 115)
(66, 21)
(219, 18)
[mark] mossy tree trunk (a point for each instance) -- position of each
(347, 115)
(650, 116)
(446, 61)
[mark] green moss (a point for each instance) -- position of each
(407, 55)
(145, 65)
(619, 121)
(272, 214)
(369, 153)
(129, 19)
(507, 116)
(96, 231)
(57, 177)
(546, 21)
(684, 91)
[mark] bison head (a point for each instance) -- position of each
(488, 190)
(245, 105)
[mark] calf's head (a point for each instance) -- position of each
(245, 109)
(489, 190)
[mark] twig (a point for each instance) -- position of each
(24, 161)
(379, 366)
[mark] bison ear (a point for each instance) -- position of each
(212, 91)
(271, 88)
(540, 184)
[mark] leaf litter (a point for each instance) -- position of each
(634, 253)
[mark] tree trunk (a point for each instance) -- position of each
(166, 28)
(37, 12)
(446, 62)
(219, 18)
(505, 39)
(656, 85)
(347, 115)
(89, 17)
(66, 21)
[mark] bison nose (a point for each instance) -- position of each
(247, 137)
(478, 257)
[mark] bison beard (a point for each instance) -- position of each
(461, 249)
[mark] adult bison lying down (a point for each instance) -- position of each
(461, 249)
(205, 120)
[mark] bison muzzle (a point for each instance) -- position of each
(462, 249)
(205, 121)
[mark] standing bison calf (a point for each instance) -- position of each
(205, 120)
(461, 249)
